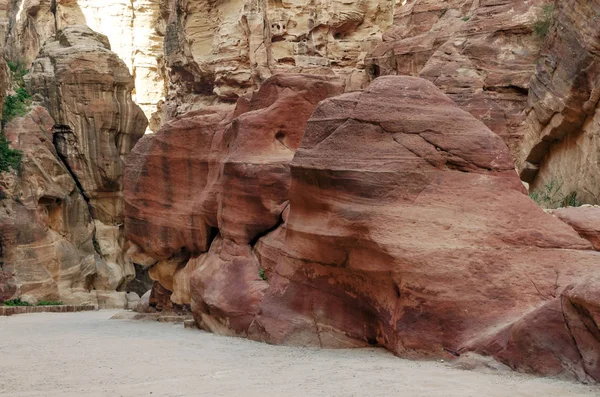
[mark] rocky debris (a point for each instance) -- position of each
(87, 90)
(133, 300)
(143, 305)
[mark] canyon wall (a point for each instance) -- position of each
(62, 223)
(134, 30)
(390, 217)
(325, 173)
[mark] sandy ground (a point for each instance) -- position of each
(86, 354)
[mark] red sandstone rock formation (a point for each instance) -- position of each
(406, 227)
(219, 170)
(585, 220)
(481, 54)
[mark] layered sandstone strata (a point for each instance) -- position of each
(47, 231)
(134, 29)
(219, 51)
(217, 171)
(63, 222)
(406, 227)
(561, 141)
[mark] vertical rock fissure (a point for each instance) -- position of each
(53, 9)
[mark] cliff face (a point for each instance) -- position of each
(561, 142)
(63, 207)
(219, 51)
(133, 29)
(325, 173)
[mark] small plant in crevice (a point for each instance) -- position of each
(18, 72)
(49, 303)
(261, 274)
(551, 196)
(9, 158)
(97, 246)
(16, 302)
(541, 27)
(465, 18)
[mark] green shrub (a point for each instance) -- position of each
(15, 105)
(16, 302)
(465, 18)
(18, 71)
(261, 274)
(551, 196)
(49, 303)
(9, 158)
(542, 25)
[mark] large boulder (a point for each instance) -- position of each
(408, 228)
(214, 181)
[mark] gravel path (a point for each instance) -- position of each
(86, 354)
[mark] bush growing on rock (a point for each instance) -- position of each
(542, 25)
(9, 158)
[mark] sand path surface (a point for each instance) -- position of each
(86, 354)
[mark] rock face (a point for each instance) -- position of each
(219, 51)
(406, 227)
(62, 215)
(217, 171)
(481, 54)
(134, 30)
(87, 90)
(561, 143)
(47, 231)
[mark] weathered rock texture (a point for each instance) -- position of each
(134, 29)
(62, 223)
(535, 86)
(47, 231)
(482, 54)
(217, 171)
(561, 142)
(406, 227)
(219, 51)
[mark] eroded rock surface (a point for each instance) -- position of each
(219, 51)
(561, 141)
(407, 227)
(134, 28)
(47, 231)
(482, 54)
(62, 221)
(217, 171)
